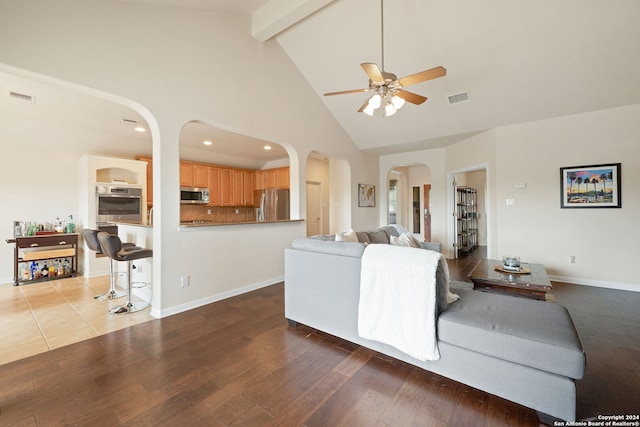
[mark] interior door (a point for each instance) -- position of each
(427, 213)
(314, 208)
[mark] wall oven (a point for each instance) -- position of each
(118, 204)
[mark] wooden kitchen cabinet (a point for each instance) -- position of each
(193, 175)
(230, 187)
(214, 187)
(237, 180)
(258, 181)
(282, 177)
(248, 187)
(270, 178)
(186, 175)
(149, 179)
(225, 187)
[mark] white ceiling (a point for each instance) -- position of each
(521, 60)
(88, 123)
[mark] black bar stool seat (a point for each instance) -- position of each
(91, 239)
(112, 247)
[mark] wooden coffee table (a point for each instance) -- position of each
(534, 285)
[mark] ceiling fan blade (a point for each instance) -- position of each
(373, 72)
(423, 76)
(363, 106)
(411, 97)
(346, 91)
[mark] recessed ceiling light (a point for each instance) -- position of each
(207, 142)
(267, 147)
(139, 129)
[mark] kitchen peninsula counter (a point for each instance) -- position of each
(130, 224)
(196, 225)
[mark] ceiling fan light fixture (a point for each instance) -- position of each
(389, 109)
(375, 101)
(369, 110)
(387, 85)
(397, 102)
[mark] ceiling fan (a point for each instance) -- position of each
(388, 88)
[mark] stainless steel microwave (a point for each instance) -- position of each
(194, 195)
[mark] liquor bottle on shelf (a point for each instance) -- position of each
(25, 273)
(45, 270)
(37, 272)
(32, 270)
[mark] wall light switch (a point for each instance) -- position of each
(185, 281)
(511, 202)
(520, 185)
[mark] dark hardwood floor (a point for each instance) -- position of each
(238, 363)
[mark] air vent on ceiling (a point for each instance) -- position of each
(459, 97)
(22, 97)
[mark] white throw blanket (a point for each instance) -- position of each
(399, 300)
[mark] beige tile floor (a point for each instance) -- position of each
(39, 317)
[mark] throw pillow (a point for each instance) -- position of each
(349, 236)
(378, 236)
(413, 241)
(407, 239)
(397, 241)
(363, 237)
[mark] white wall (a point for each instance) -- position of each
(179, 65)
(602, 240)
(40, 196)
(536, 228)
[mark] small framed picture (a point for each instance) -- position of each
(366, 195)
(593, 186)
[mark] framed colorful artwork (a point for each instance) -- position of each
(366, 195)
(593, 186)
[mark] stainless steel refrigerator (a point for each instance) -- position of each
(273, 204)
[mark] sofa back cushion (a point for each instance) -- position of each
(378, 236)
(352, 249)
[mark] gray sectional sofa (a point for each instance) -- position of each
(522, 350)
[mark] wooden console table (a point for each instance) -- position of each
(43, 248)
(534, 285)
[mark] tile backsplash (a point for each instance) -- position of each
(219, 214)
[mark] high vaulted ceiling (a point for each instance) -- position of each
(520, 60)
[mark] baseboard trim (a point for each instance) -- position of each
(597, 283)
(170, 311)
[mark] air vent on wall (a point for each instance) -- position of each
(22, 97)
(459, 97)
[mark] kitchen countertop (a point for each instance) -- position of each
(130, 224)
(216, 224)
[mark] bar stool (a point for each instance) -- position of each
(112, 247)
(91, 239)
